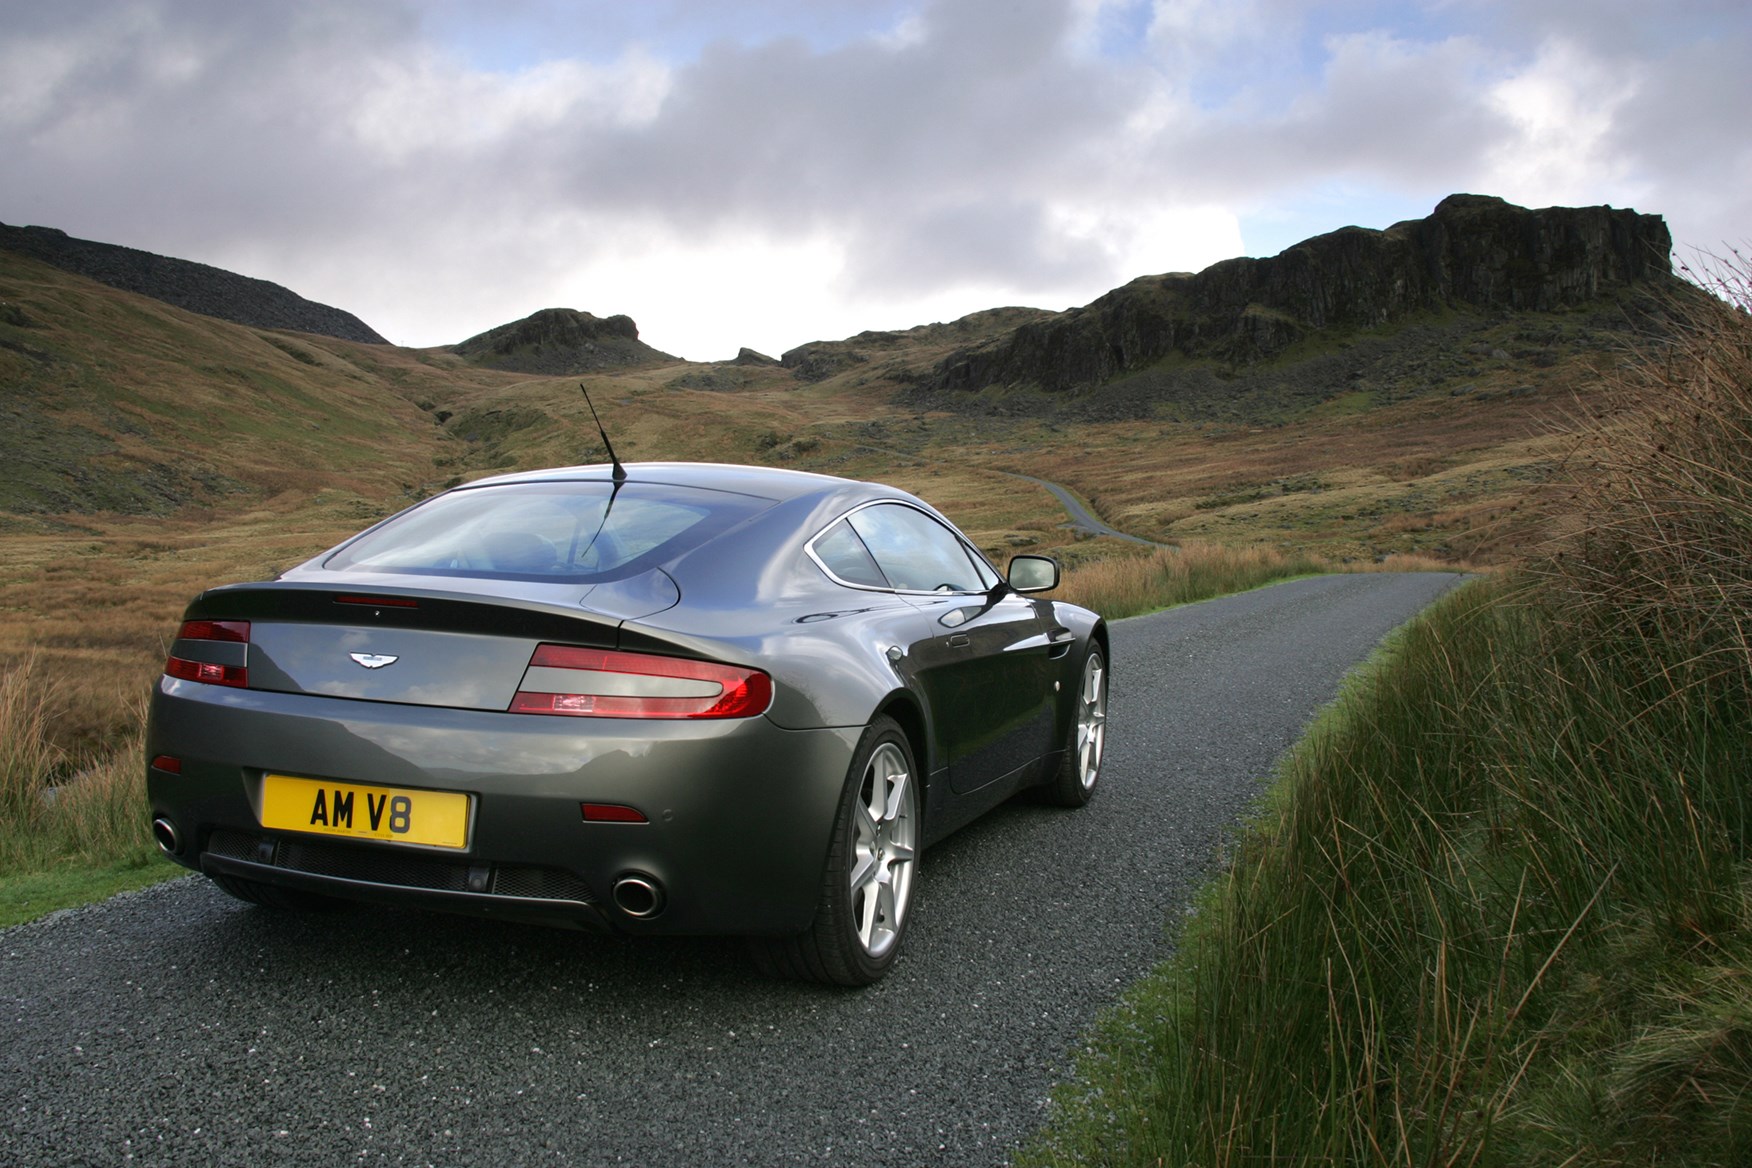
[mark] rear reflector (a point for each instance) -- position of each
(211, 672)
(611, 813)
(168, 764)
(601, 683)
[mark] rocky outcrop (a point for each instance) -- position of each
(1473, 251)
(559, 341)
(819, 360)
(195, 287)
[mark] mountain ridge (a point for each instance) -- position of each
(1473, 251)
(186, 284)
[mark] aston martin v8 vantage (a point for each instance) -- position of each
(678, 698)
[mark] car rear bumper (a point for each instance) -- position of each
(738, 811)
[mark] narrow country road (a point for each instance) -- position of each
(1080, 517)
(178, 1027)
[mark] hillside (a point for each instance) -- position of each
(153, 451)
(196, 287)
(1473, 254)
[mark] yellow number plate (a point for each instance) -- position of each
(437, 819)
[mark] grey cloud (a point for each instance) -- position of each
(883, 143)
(990, 242)
(1410, 116)
(212, 129)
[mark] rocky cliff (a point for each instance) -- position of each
(1473, 252)
(196, 287)
(558, 341)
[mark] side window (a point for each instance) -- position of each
(841, 551)
(915, 552)
(988, 578)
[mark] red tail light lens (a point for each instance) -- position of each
(601, 683)
(211, 672)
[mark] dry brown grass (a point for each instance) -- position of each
(1195, 571)
(1663, 489)
(95, 609)
(52, 810)
(27, 757)
(325, 436)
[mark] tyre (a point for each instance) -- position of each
(867, 881)
(1080, 769)
(271, 895)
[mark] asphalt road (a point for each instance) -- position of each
(1080, 516)
(178, 1027)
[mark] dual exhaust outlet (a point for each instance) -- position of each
(636, 894)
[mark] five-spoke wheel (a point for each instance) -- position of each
(884, 846)
(1087, 739)
(871, 864)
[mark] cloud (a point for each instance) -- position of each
(780, 171)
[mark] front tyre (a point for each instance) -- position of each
(1074, 784)
(867, 883)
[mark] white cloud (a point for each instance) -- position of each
(1562, 108)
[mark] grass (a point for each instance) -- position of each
(1498, 908)
(1127, 586)
(67, 835)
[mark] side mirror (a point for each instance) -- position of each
(1034, 573)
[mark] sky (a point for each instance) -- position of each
(774, 172)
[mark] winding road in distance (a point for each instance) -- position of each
(1081, 518)
(177, 1027)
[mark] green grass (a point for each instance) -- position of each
(1499, 908)
(26, 896)
(1499, 912)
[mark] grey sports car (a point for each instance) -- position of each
(676, 698)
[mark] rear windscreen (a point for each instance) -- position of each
(580, 532)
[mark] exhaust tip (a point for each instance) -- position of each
(639, 896)
(164, 832)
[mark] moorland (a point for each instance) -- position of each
(1495, 910)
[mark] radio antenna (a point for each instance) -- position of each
(620, 472)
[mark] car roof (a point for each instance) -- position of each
(763, 481)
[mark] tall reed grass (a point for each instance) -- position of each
(1122, 587)
(1500, 911)
(55, 809)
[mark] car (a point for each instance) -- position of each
(676, 698)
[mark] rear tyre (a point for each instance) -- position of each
(271, 895)
(867, 883)
(1080, 770)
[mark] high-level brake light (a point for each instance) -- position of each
(603, 683)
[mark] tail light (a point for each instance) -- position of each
(601, 683)
(221, 632)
